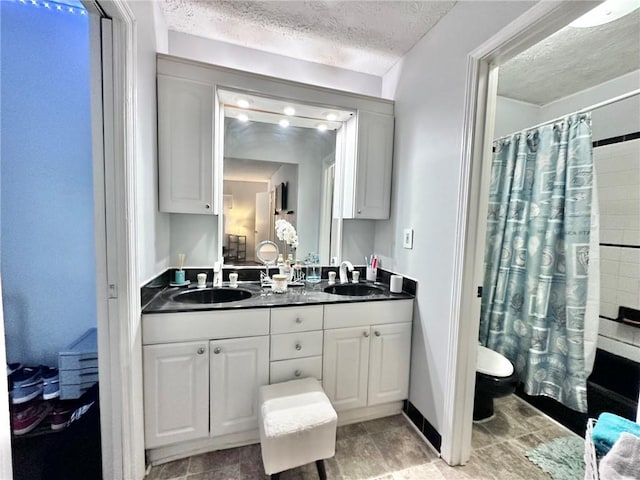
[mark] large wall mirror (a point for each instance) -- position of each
(278, 163)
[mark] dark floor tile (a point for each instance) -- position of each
(230, 472)
(214, 460)
(169, 470)
(448, 472)
(385, 423)
(358, 457)
(481, 437)
(427, 471)
(402, 448)
(351, 430)
(504, 427)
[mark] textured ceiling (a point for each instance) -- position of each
(571, 60)
(364, 36)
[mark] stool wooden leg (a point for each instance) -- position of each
(275, 476)
(322, 473)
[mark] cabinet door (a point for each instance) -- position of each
(389, 363)
(345, 367)
(176, 392)
(373, 167)
(239, 366)
(185, 146)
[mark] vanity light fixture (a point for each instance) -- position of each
(322, 127)
(331, 117)
(243, 103)
(289, 111)
(606, 12)
(243, 117)
(284, 123)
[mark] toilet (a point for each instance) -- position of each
(495, 377)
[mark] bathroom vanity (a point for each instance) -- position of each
(203, 364)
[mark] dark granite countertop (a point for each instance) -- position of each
(310, 294)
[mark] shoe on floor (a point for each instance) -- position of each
(61, 413)
(27, 417)
(50, 383)
(27, 384)
(12, 367)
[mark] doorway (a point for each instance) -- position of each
(538, 25)
(50, 258)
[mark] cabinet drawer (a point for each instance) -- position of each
(286, 370)
(296, 345)
(364, 314)
(296, 319)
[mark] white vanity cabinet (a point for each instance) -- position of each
(239, 366)
(186, 112)
(368, 157)
(176, 392)
(367, 353)
(296, 343)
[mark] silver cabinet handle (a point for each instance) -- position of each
(297, 373)
(200, 351)
(298, 320)
(207, 206)
(217, 350)
(366, 334)
(298, 346)
(377, 333)
(359, 211)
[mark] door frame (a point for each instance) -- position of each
(542, 20)
(119, 343)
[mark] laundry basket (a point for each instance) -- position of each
(590, 457)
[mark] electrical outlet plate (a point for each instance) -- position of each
(407, 238)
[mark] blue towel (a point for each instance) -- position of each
(608, 429)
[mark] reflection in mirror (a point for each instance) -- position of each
(267, 252)
(271, 172)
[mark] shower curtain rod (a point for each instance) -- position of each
(595, 106)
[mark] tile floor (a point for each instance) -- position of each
(390, 449)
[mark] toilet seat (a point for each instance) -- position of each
(492, 363)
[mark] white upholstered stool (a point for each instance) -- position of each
(297, 426)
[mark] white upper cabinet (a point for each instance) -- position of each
(368, 157)
(186, 112)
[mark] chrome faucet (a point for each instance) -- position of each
(343, 271)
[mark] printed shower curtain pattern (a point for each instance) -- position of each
(537, 255)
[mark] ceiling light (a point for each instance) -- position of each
(289, 111)
(322, 127)
(243, 103)
(606, 12)
(284, 123)
(331, 117)
(243, 117)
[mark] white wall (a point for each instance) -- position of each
(264, 63)
(611, 121)
(153, 227)
(514, 115)
(429, 90)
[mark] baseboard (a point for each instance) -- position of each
(423, 425)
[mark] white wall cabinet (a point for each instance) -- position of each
(368, 158)
(186, 112)
(176, 392)
(239, 366)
